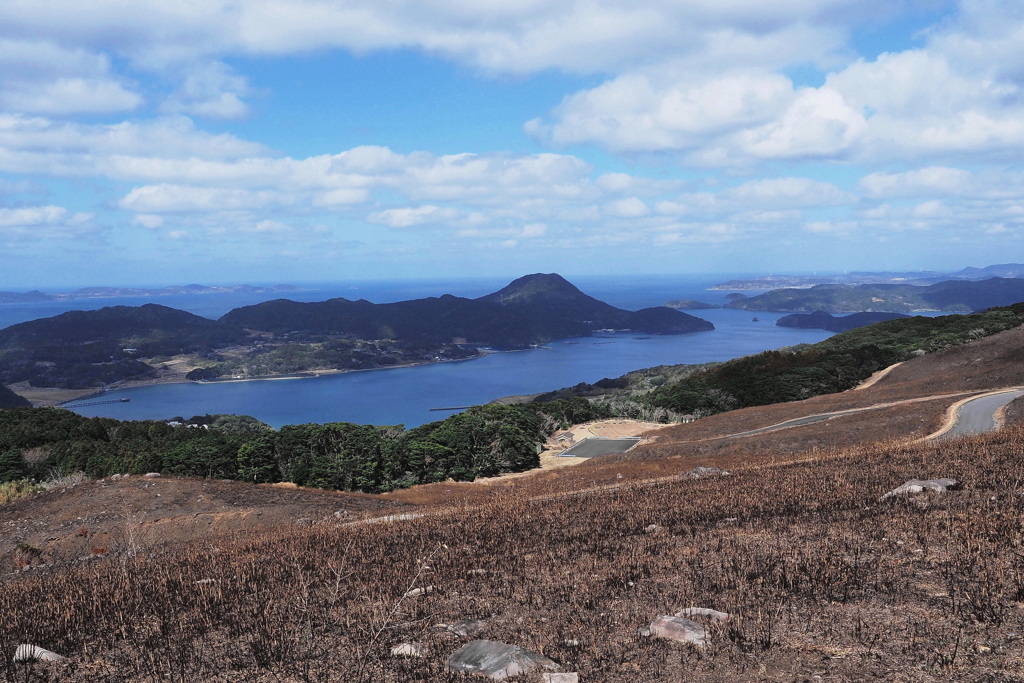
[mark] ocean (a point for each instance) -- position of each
(407, 395)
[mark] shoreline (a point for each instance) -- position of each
(58, 398)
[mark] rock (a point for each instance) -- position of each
(34, 653)
(698, 472)
(407, 650)
(651, 528)
(676, 628)
(915, 486)
(115, 477)
(561, 678)
(416, 592)
(468, 627)
(713, 615)
(152, 475)
(496, 660)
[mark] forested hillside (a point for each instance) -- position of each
(484, 441)
(81, 349)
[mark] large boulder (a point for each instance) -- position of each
(497, 660)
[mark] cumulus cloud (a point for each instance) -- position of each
(950, 98)
(34, 224)
(40, 77)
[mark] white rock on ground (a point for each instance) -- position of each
(915, 486)
(679, 629)
(407, 650)
(561, 678)
(34, 653)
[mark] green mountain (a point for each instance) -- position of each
(952, 296)
(533, 309)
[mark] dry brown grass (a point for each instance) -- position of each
(822, 579)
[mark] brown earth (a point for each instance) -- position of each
(99, 517)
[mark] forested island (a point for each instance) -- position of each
(951, 296)
(820, 320)
(89, 349)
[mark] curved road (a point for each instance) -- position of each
(979, 415)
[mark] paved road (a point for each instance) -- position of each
(978, 415)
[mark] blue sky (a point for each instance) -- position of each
(302, 140)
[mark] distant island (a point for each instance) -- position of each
(110, 292)
(690, 305)
(88, 349)
(820, 320)
(951, 296)
(1005, 270)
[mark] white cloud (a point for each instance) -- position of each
(787, 192)
(183, 198)
(43, 224)
(831, 227)
(210, 91)
(634, 114)
(915, 183)
(148, 220)
(407, 217)
(632, 207)
(950, 98)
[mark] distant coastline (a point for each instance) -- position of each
(41, 397)
(114, 292)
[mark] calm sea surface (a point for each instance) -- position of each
(406, 395)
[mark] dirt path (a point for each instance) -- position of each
(876, 377)
(551, 458)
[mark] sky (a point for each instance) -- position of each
(149, 143)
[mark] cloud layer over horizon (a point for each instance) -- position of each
(699, 136)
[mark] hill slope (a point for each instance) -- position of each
(9, 399)
(80, 349)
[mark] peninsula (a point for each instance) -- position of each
(92, 349)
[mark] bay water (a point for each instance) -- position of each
(408, 395)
